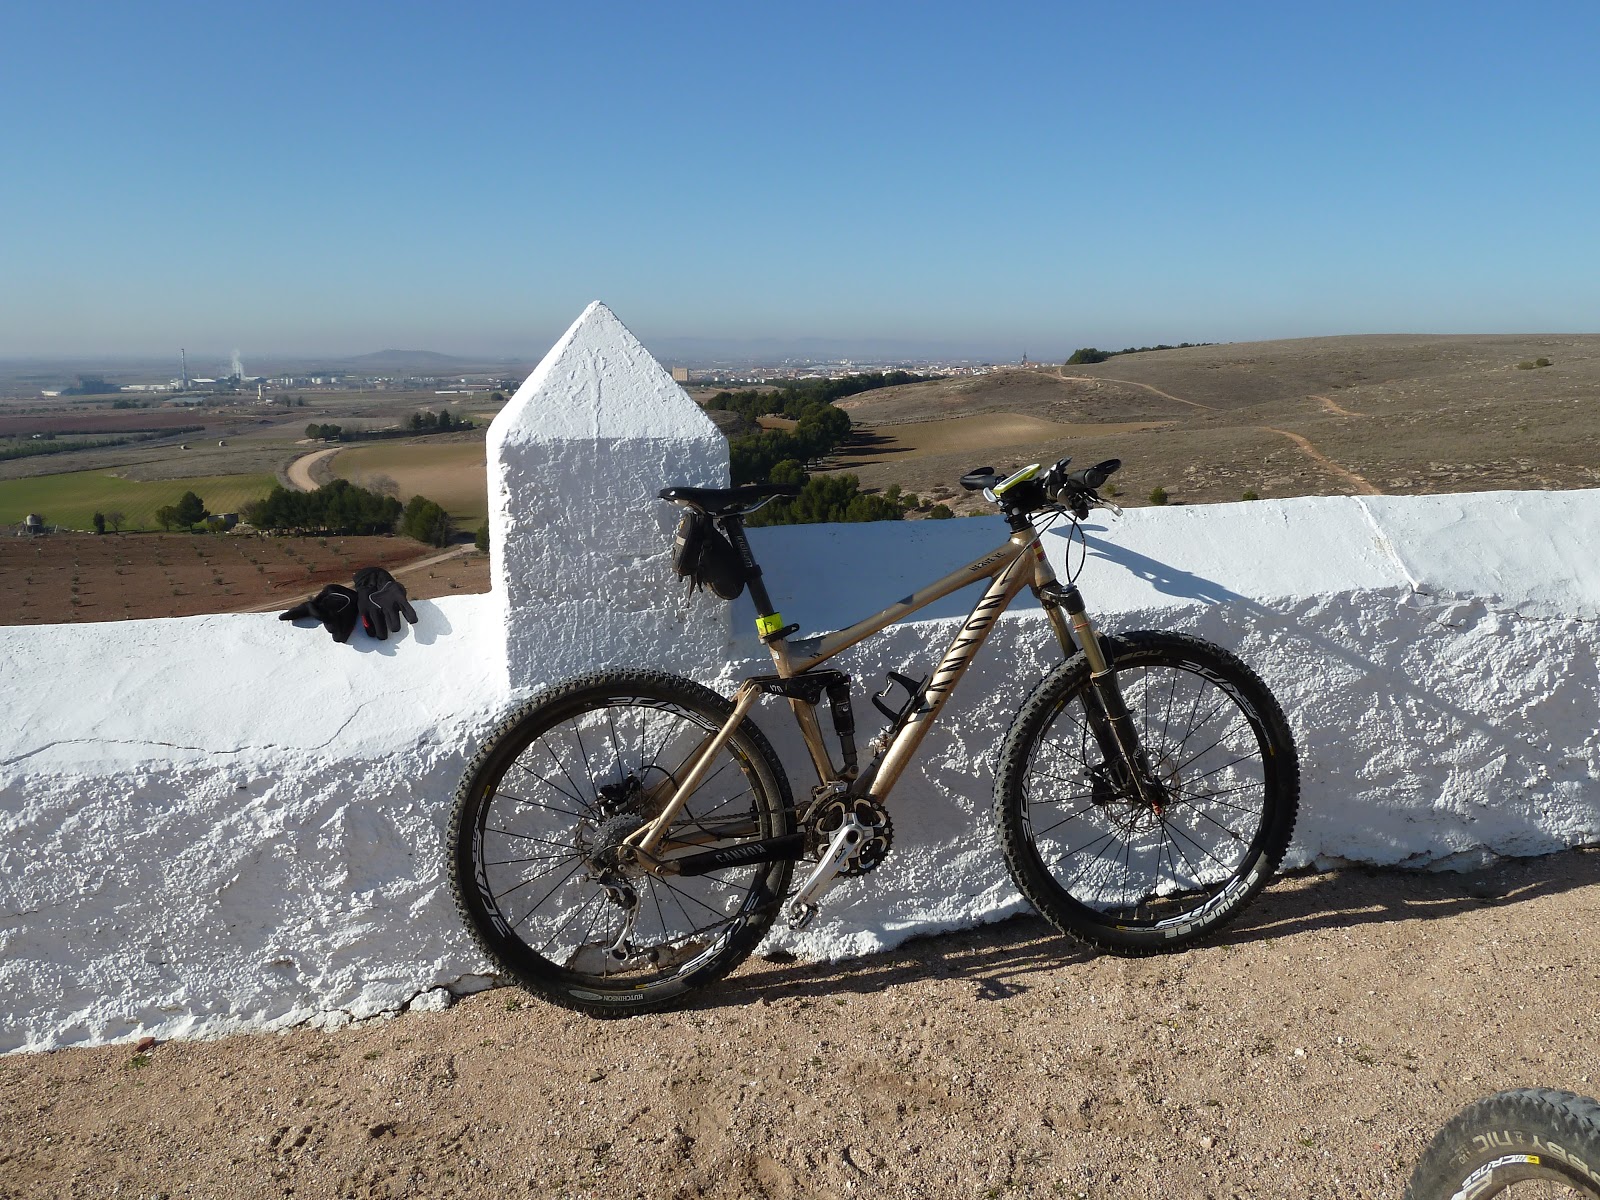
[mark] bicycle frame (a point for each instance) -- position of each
(1017, 563)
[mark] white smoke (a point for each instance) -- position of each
(237, 365)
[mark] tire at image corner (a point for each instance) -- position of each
(1528, 1133)
(1280, 787)
(769, 787)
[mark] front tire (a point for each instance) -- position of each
(1127, 876)
(554, 791)
(1530, 1142)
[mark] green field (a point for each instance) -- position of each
(451, 474)
(72, 499)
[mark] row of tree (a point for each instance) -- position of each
(421, 422)
(1089, 354)
(440, 422)
(337, 507)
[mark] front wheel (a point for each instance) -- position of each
(1143, 869)
(537, 850)
(1531, 1142)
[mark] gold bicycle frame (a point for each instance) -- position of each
(1017, 563)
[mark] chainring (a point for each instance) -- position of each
(871, 852)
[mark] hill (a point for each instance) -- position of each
(1315, 416)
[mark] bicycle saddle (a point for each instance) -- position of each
(726, 502)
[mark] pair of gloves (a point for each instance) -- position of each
(378, 602)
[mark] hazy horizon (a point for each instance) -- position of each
(674, 352)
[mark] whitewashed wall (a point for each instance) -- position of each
(216, 823)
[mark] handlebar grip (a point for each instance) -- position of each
(1090, 478)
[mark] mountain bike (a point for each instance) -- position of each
(1531, 1142)
(627, 837)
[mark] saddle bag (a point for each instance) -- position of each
(702, 555)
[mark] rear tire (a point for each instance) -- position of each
(1125, 876)
(573, 772)
(1531, 1142)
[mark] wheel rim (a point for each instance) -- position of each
(1127, 863)
(545, 875)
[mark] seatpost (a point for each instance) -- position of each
(733, 526)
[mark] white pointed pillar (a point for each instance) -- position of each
(581, 546)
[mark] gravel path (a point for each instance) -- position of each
(301, 472)
(1309, 1054)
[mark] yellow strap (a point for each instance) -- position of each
(769, 625)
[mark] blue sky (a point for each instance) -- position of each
(331, 178)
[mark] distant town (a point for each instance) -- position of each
(183, 387)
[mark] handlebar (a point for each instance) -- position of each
(1027, 491)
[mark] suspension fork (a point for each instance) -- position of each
(1104, 706)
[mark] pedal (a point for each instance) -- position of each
(800, 915)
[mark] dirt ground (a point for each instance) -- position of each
(1310, 1053)
(1316, 416)
(72, 577)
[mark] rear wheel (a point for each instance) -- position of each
(1111, 867)
(544, 806)
(1532, 1144)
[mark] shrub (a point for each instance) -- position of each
(1250, 494)
(1158, 495)
(482, 539)
(940, 512)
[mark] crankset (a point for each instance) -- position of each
(852, 837)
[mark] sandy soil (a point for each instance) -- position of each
(1311, 1053)
(970, 435)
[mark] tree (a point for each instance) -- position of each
(427, 522)
(167, 516)
(1087, 355)
(788, 471)
(99, 522)
(115, 518)
(482, 540)
(190, 509)
(314, 432)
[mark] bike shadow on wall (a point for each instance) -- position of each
(1422, 707)
(1186, 585)
(1005, 959)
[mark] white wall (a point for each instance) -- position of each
(215, 823)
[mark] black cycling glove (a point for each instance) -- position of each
(335, 606)
(382, 599)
